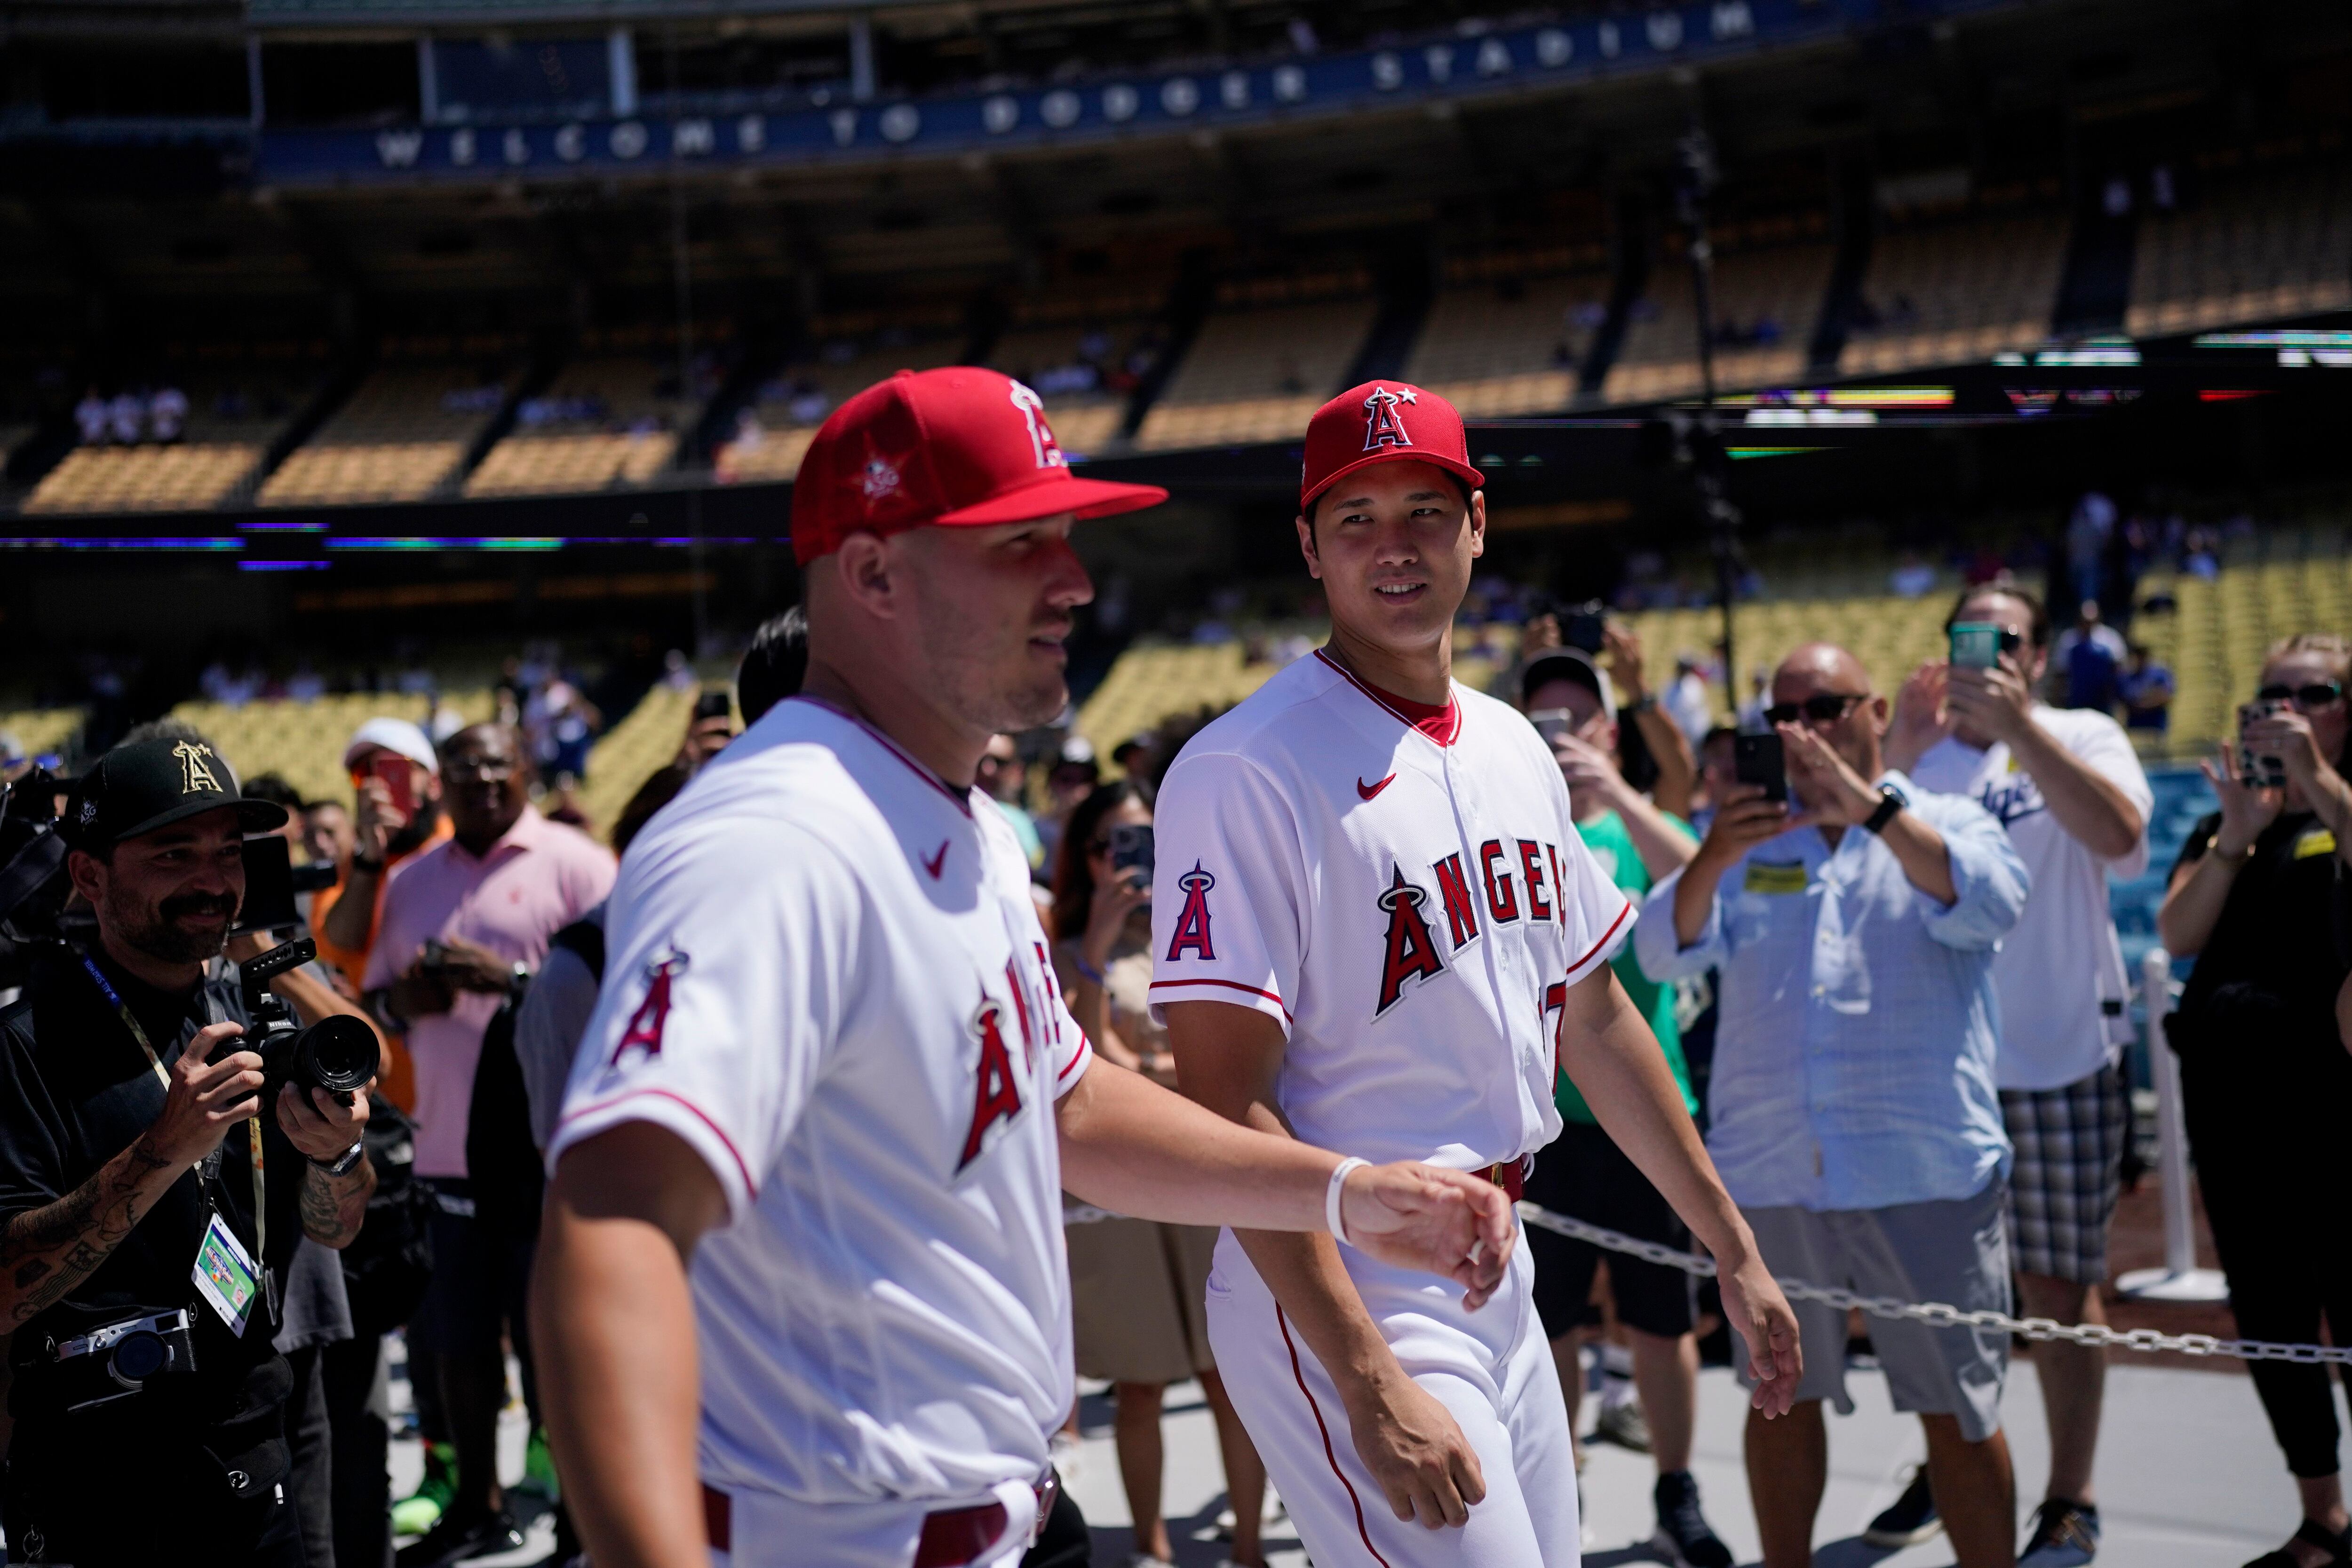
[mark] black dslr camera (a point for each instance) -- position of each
(337, 1054)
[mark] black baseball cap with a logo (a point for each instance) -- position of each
(138, 788)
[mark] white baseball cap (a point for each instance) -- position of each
(394, 735)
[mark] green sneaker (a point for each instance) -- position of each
(422, 1510)
(538, 1468)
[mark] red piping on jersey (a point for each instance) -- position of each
(1442, 726)
(1230, 985)
(589, 1110)
(1353, 1501)
(1085, 1049)
(963, 800)
(1605, 935)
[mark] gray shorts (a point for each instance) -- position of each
(1954, 1251)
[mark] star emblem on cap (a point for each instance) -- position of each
(878, 479)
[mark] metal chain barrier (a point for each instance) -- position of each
(1936, 1314)
(1943, 1316)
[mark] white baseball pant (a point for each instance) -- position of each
(1492, 1369)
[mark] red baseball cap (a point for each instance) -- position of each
(1382, 422)
(957, 448)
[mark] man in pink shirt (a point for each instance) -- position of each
(464, 925)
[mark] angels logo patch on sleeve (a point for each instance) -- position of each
(642, 1040)
(1193, 925)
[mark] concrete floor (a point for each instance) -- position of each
(2188, 1474)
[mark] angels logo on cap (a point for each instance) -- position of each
(1382, 426)
(1378, 421)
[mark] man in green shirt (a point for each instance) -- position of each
(1573, 703)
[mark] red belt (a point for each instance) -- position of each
(1511, 1175)
(951, 1537)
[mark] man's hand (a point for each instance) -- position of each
(422, 990)
(1997, 702)
(319, 1124)
(205, 1098)
(705, 738)
(1413, 1215)
(469, 966)
(1625, 648)
(1833, 795)
(376, 822)
(1921, 717)
(1753, 1302)
(1743, 819)
(1588, 770)
(1415, 1450)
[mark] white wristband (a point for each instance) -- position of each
(1331, 1219)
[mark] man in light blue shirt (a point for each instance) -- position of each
(1854, 1115)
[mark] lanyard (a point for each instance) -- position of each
(252, 1125)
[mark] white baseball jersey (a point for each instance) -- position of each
(1404, 892)
(827, 978)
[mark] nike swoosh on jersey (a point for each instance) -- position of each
(934, 863)
(1367, 791)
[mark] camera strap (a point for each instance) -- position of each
(208, 1170)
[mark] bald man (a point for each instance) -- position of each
(1855, 1120)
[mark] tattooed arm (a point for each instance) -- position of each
(332, 1206)
(45, 1253)
(324, 1129)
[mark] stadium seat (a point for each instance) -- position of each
(41, 729)
(303, 742)
(626, 435)
(1784, 285)
(1959, 291)
(1494, 354)
(399, 437)
(221, 442)
(2260, 246)
(1256, 375)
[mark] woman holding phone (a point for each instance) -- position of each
(1136, 1286)
(2260, 899)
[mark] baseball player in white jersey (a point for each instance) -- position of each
(1375, 927)
(820, 1123)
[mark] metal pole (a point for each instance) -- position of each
(1698, 179)
(2179, 1280)
(682, 281)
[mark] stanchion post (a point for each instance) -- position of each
(2179, 1280)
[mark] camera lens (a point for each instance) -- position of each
(138, 1357)
(337, 1054)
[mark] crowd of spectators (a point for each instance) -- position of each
(132, 417)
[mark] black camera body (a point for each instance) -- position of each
(339, 1054)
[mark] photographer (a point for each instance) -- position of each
(123, 1170)
(1583, 1171)
(2067, 785)
(464, 926)
(2258, 899)
(1854, 1118)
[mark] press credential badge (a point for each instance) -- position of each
(226, 1275)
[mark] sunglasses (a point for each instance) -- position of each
(1821, 708)
(2317, 695)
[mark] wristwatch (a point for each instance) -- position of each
(342, 1164)
(1890, 801)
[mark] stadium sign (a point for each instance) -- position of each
(1458, 65)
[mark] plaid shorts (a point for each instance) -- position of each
(2069, 1172)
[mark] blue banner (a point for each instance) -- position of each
(1518, 59)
